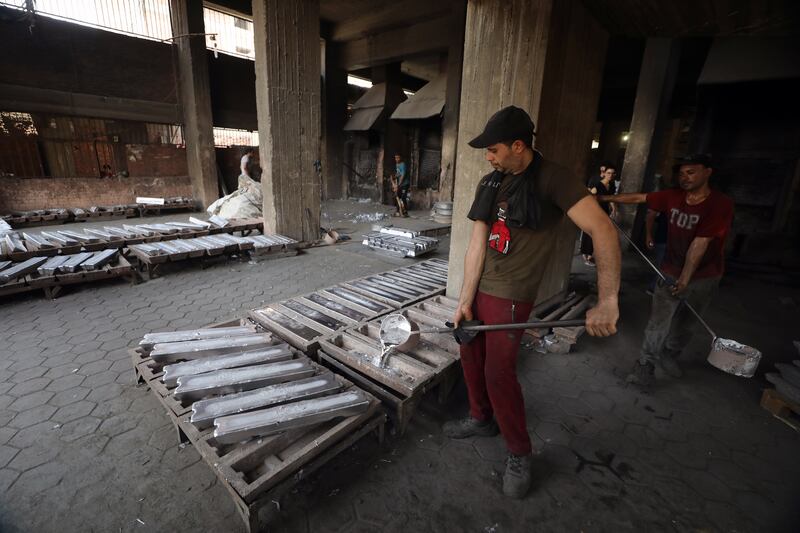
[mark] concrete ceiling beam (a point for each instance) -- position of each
(394, 45)
(392, 16)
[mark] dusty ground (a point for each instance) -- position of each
(83, 449)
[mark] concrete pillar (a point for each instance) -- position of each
(287, 49)
(195, 98)
(611, 140)
(653, 95)
(335, 115)
(394, 138)
(553, 56)
(455, 58)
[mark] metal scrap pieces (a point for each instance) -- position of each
(218, 221)
(199, 386)
(240, 427)
(405, 243)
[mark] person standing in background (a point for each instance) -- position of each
(401, 183)
(601, 185)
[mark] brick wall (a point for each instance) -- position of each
(23, 194)
(156, 160)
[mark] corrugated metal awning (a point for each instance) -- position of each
(363, 119)
(367, 109)
(427, 102)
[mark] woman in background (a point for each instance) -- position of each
(603, 185)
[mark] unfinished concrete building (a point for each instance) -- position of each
(106, 106)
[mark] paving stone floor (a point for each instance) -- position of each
(83, 449)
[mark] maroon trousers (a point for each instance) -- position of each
(490, 370)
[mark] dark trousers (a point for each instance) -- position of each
(670, 327)
(402, 194)
(490, 370)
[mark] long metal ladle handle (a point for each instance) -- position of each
(663, 277)
(503, 327)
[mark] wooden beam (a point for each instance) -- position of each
(394, 15)
(393, 45)
(33, 99)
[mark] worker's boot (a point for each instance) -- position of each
(469, 427)
(643, 375)
(517, 478)
(670, 366)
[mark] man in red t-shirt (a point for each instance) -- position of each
(698, 220)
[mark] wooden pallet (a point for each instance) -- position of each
(52, 285)
(331, 312)
(242, 226)
(781, 408)
(407, 375)
(404, 286)
(261, 470)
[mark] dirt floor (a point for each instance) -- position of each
(82, 448)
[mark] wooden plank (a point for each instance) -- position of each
(304, 450)
(781, 408)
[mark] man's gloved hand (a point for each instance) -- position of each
(461, 335)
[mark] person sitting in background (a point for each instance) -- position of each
(245, 165)
(599, 186)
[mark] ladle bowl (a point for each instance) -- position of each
(734, 357)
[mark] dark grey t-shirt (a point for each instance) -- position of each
(518, 274)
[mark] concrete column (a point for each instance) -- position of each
(653, 95)
(552, 63)
(195, 98)
(455, 58)
(287, 49)
(611, 140)
(335, 104)
(394, 139)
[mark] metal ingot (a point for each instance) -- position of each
(175, 351)
(273, 354)
(205, 411)
(241, 427)
(197, 387)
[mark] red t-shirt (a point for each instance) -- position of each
(710, 218)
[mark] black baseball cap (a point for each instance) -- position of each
(508, 124)
(694, 159)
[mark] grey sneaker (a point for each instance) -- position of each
(643, 375)
(517, 478)
(468, 427)
(670, 367)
